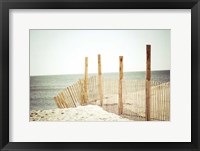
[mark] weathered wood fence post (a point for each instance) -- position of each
(100, 80)
(86, 81)
(148, 81)
(120, 102)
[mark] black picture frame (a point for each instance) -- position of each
(5, 5)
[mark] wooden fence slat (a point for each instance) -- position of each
(77, 91)
(57, 103)
(57, 97)
(70, 93)
(69, 98)
(77, 88)
(64, 100)
(60, 99)
(75, 94)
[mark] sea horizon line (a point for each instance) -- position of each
(62, 74)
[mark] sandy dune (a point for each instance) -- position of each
(81, 113)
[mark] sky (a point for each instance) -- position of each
(55, 52)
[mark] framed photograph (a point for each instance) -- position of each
(80, 75)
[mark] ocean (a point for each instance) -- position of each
(44, 88)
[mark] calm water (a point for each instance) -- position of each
(44, 88)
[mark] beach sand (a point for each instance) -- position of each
(81, 113)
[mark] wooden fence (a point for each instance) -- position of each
(133, 97)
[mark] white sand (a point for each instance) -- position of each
(80, 113)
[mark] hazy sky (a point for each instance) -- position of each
(55, 52)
